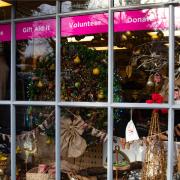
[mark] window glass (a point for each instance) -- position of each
(35, 8)
(71, 5)
(5, 9)
(5, 145)
(177, 58)
(83, 150)
(35, 148)
(84, 58)
(118, 3)
(5, 56)
(35, 60)
(140, 143)
(141, 56)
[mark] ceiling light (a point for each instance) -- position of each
(87, 38)
(4, 4)
(105, 48)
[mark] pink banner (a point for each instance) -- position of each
(5, 32)
(148, 19)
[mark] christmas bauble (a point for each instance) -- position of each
(77, 84)
(52, 67)
(124, 37)
(77, 60)
(100, 96)
(40, 84)
(96, 71)
(49, 141)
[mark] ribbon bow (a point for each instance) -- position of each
(157, 98)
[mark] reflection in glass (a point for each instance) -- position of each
(4, 70)
(5, 156)
(35, 8)
(139, 141)
(118, 3)
(36, 69)
(35, 148)
(68, 6)
(83, 137)
(141, 56)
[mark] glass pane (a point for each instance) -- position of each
(35, 146)
(68, 6)
(140, 143)
(118, 3)
(141, 56)
(5, 145)
(84, 58)
(5, 10)
(83, 137)
(35, 60)
(177, 57)
(176, 156)
(26, 8)
(5, 61)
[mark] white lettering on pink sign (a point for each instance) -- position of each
(148, 19)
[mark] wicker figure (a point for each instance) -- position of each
(154, 166)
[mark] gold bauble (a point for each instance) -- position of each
(52, 67)
(96, 71)
(40, 84)
(49, 141)
(77, 60)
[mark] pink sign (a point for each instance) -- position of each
(36, 29)
(148, 19)
(5, 32)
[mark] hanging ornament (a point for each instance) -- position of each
(154, 166)
(40, 84)
(52, 67)
(123, 37)
(77, 84)
(128, 33)
(101, 94)
(49, 140)
(157, 78)
(150, 82)
(131, 132)
(129, 71)
(77, 60)
(96, 71)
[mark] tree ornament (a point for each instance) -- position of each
(101, 95)
(77, 60)
(52, 67)
(123, 37)
(77, 84)
(129, 71)
(96, 71)
(40, 84)
(49, 140)
(128, 33)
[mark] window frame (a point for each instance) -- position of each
(110, 105)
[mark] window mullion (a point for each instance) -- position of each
(13, 95)
(171, 95)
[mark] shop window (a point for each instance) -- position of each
(5, 147)
(86, 128)
(35, 143)
(5, 62)
(35, 61)
(141, 56)
(84, 58)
